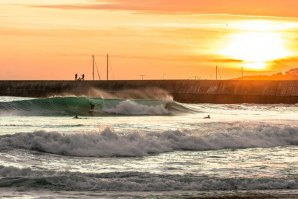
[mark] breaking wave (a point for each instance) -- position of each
(109, 143)
(133, 181)
(69, 106)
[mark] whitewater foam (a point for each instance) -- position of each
(109, 143)
(129, 107)
(133, 181)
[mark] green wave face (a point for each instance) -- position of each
(56, 106)
(70, 106)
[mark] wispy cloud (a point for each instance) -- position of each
(284, 63)
(239, 7)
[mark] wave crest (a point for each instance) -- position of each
(62, 106)
(129, 107)
(109, 143)
(134, 181)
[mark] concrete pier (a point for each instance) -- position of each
(185, 91)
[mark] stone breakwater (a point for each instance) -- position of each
(185, 91)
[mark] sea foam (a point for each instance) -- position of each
(109, 143)
(27, 178)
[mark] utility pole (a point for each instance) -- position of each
(93, 63)
(107, 67)
(142, 76)
(216, 71)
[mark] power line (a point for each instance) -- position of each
(97, 70)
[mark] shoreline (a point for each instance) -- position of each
(241, 194)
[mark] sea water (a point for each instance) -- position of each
(145, 148)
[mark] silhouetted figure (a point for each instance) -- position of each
(92, 107)
(76, 76)
(83, 77)
(76, 117)
(167, 106)
(208, 117)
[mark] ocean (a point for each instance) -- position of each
(146, 149)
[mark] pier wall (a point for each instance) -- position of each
(185, 91)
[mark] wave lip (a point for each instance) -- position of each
(128, 107)
(108, 143)
(134, 181)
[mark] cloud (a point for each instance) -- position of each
(284, 63)
(239, 7)
(223, 60)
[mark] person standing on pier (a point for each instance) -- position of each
(83, 77)
(76, 76)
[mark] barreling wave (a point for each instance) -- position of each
(12, 177)
(109, 143)
(69, 106)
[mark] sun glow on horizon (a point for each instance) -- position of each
(256, 47)
(182, 40)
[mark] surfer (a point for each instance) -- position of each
(76, 116)
(208, 117)
(167, 106)
(92, 107)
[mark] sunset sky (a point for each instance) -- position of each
(171, 39)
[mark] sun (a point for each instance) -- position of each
(256, 48)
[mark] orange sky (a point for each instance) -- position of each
(171, 39)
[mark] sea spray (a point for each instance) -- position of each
(153, 93)
(129, 107)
